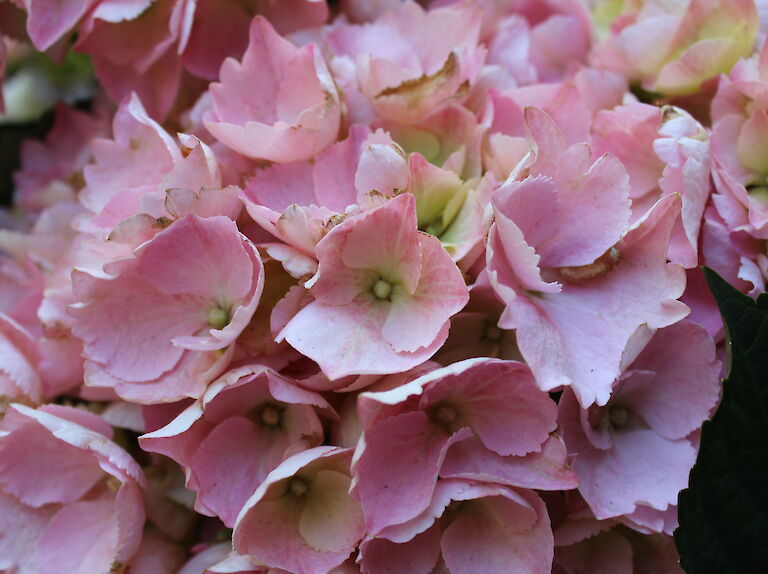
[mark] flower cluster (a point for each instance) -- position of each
(373, 286)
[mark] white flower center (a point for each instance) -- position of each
(297, 487)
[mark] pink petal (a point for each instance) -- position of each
(279, 104)
(268, 529)
(157, 556)
(390, 247)
(567, 237)
(499, 401)
(416, 556)
(335, 169)
(29, 478)
(138, 158)
(642, 467)
(200, 253)
(356, 346)
(19, 377)
(279, 185)
(82, 538)
(239, 454)
(545, 470)
(627, 133)
(20, 530)
(683, 371)
(551, 328)
(49, 20)
(415, 321)
(502, 533)
(396, 468)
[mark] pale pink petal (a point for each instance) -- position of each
(29, 478)
(390, 247)
(627, 132)
(295, 113)
(279, 185)
(566, 236)
(641, 468)
(20, 530)
(144, 322)
(202, 251)
(334, 174)
(752, 142)
(681, 370)
(508, 531)
(331, 520)
(356, 346)
(81, 538)
(511, 260)
(550, 333)
(19, 357)
(138, 158)
(269, 528)
(416, 320)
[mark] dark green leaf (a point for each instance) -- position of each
(724, 512)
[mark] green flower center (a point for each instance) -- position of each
(218, 318)
(382, 289)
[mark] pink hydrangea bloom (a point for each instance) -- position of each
(566, 282)
(247, 422)
(586, 545)
(383, 294)
(673, 47)
(468, 527)
(478, 419)
(278, 104)
(175, 307)
(634, 453)
(410, 61)
(665, 151)
(370, 286)
(302, 518)
(70, 498)
(132, 163)
(739, 116)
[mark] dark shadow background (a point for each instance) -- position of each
(11, 137)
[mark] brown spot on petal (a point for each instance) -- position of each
(76, 180)
(334, 220)
(601, 266)
(414, 89)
